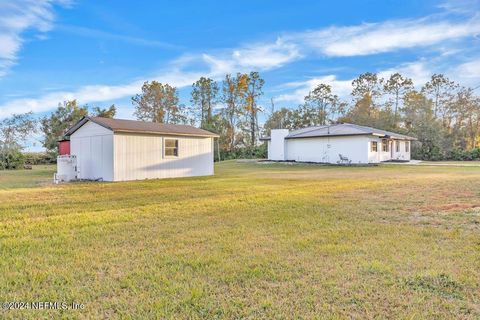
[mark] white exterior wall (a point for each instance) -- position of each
(276, 145)
(402, 154)
(93, 146)
(392, 154)
(327, 149)
(141, 156)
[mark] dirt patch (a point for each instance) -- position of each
(452, 207)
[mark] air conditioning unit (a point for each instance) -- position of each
(66, 168)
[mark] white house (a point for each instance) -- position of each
(338, 143)
(118, 150)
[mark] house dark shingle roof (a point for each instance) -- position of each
(342, 129)
(132, 126)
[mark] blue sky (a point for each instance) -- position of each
(100, 52)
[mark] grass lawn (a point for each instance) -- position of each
(253, 241)
(40, 175)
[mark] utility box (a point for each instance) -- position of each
(66, 168)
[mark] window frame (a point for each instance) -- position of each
(397, 146)
(407, 146)
(175, 148)
(385, 145)
(372, 144)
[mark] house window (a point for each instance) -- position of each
(374, 146)
(171, 148)
(407, 146)
(397, 146)
(385, 145)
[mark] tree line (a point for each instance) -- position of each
(443, 115)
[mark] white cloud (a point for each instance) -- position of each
(266, 56)
(92, 93)
(18, 16)
(469, 69)
(460, 6)
(373, 38)
(339, 87)
(256, 56)
(100, 34)
(419, 71)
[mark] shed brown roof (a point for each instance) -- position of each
(133, 126)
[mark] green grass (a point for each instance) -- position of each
(38, 176)
(253, 241)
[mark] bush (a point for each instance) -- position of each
(11, 159)
(427, 151)
(461, 155)
(35, 158)
(257, 152)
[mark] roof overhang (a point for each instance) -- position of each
(383, 136)
(329, 135)
(85, 119)
(156, 133)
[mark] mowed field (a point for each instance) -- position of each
(253, 241)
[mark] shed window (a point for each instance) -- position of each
(407, 146)
(374, 146)
(385, 145)
(171, 148)
(397, 146)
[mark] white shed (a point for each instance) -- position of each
(119, 150)
(338, 143)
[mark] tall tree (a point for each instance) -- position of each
(157, 103)
(234, 91)
(323, 101)
(367, 87)
(204, 96)
(466, 128)
(397, 85)
(420, 122)
(440, 89)
(280, 119)
(362, 113)
(55, 125)
(254, 90)
(367, 83)
(105, 112)
(14, 132)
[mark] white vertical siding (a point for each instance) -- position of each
(328, 149)
(140, 156)
(93, 146)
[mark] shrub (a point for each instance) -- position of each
(11, 159)
(257, 152)
(427, 151)
(35, 158)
